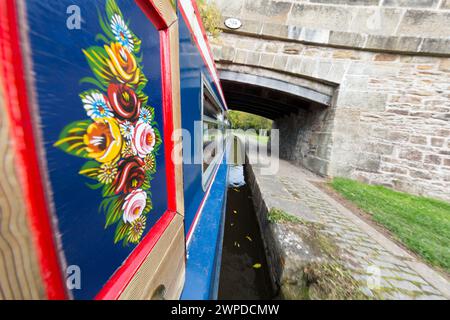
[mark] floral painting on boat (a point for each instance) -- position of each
(119, 137)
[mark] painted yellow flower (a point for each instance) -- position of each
(136, 230)
(150, 162)
(122, 64)
(107, 173)
(103, 140)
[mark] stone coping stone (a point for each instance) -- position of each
(358, 41)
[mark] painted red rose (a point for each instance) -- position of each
(130, 175)
(124, 102)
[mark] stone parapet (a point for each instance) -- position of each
(400, 18)
(405, 44)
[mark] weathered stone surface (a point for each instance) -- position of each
(435, 45)
(230, 8)
(418, 140)
(409, 44)
(362, 100)
(445, 4)
(267, 10)
(437, 142)
(412, 3)
(346, 54)
(275, 30)
(411, 154)
(376, 20)
(414, 21)
(307, 144)
(349, 39)
(385, 57)
(320, 17)
(348, 2)
(433, 159)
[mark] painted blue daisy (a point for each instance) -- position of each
(96, 106)
(122, 33)
(127, 130)
(146, 116)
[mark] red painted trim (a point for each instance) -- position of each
(17, 105)
(168, 118)
(152, 12)
(122, 277)
(202, 27)
(212, 72)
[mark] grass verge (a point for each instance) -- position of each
(422, 224)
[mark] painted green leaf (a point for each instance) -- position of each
(142, 82)
(97, 59)
(94, 186)
(90, 169)
(149, 205)
(158, 138)
(112, 9)
(112, 207)
(137, 44)
(108, 190)
(105, 25)
(71, 138)
(146, 184)
(121, 231)
(95, 82)
(142, 97)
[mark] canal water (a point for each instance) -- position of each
(244, 272)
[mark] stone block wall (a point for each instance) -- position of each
(394, 127)
(305, 138)
(381, 17)
(390, 119)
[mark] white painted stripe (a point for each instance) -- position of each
(189, 12)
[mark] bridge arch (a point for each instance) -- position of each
(387, 121)
(300, 108)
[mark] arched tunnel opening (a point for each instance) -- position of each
(302, 115)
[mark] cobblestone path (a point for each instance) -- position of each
(373, 259)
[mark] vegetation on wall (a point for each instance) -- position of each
(243, 120)
(211, 17)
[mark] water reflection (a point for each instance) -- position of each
(236, 176)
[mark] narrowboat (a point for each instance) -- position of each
(113, 149)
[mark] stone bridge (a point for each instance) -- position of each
(358, 88)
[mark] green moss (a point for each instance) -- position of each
(280, 216)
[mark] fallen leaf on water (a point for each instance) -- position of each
(231, 224)
(257, 265)
(237, 190)
(248, 238)
(234, 211)
(236, 244)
